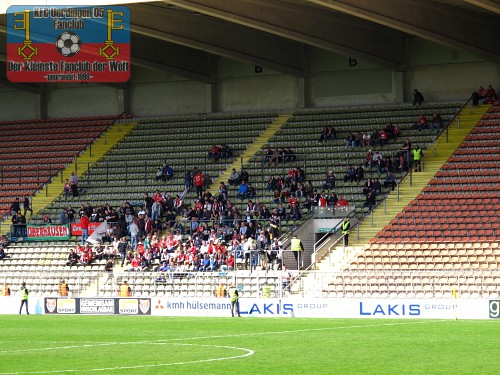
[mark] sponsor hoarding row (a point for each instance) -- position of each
(332, 308)
(98, 306)
(259, 307)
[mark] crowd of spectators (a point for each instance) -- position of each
(85, 255)
(214, 221)
(164, 173)
(291, 185)
(206, 235)
(423, 123)
(374, 138)
(211, 245)
(328, 134)
(219, 152)
(487, 96)
(279, 155)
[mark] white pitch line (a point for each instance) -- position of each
(302, 330)
(249, 352)
(217, 336)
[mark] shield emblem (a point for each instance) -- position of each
(50, 304)
(144, 305)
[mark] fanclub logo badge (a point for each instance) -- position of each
(51, 304)
(144, 305)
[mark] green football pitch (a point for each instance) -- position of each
(161, 345)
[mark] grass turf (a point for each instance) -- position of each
(158, 345)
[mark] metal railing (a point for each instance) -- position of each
(381, 283)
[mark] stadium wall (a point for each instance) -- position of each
(68, 100)
(329, 79)
(18, 105)
(155, 93)
(367, 308)
(443, 73)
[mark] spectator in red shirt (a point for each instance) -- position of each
(214, 153)
(84, 224)
(422, 122)
(198, 183)
(491, 94)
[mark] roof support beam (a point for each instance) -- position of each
(490, 5)
(430, 20)
(218, 37)
(160, 55)
(331, 31)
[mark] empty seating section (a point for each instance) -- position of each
(414, 284)
(461, 202)
(38, 150)
(201, 284)
(446, 217)
(429, 256)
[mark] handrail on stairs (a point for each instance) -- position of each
(446, 129)
(319, 251)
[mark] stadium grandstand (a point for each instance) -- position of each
(229, 131)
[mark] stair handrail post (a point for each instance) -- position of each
(411, 175)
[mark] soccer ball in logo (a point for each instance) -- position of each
(68, 44)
